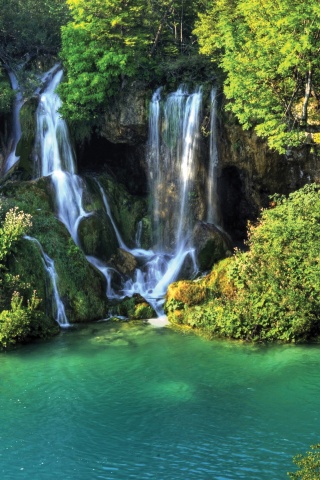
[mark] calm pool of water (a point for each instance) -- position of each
(135, 402)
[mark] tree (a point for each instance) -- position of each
(110, 40)
(309, 465)
(105, 41)
(30, 27)
(269, 52)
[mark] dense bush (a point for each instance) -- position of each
(271, 292)
(21, 315)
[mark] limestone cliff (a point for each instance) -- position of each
(248, 170)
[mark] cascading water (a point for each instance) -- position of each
(55, 157)
(171, 161)
(16, 126)
(60, 314)
(213, 209)
(172, 165)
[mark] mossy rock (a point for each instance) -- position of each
(25, 167)
(127, 210)
(218, 280)
(81, 287)
(134, 308)
(212, 245)
(186, 301)
(187, 292)
(123, 262)
(97, 237)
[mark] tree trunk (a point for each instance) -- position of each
(304, 116)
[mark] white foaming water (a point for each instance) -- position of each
(60, 314)
(190, 136)
(170, 160)
(56, 158)
(139, 234)
(16, 126)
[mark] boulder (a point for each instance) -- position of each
(124, 262)
(211, 244)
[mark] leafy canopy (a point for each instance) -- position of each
(108, 41)
(269, 52)
(30, 27)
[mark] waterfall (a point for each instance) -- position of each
(190, 137)
(153, 155)
(54, 156)
(108, 210)
(16, 126)
(48, 263)
(172, 161)
(107, 272)
(213, 211)
(174, 131)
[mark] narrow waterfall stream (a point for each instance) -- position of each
(60, 314)
(12, 158)
(174, 130)
(55, 158)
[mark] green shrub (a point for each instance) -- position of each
(23, 322)
(271, 292)
(309, 465)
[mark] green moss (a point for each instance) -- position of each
(26, 143)
(81, 287)
(97, 236)
(127, 210)
(6, 93)
(134, 308)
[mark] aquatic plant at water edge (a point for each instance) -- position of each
(309, 465)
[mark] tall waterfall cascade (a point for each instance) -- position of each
(54, 156)
(173, 161)
(16, 133)
(59, 310)
(174, 132)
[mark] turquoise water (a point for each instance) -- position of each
(136, 402)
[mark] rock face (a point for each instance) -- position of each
(249, 172)
(211, 244)
(124, 262)
(125, 120)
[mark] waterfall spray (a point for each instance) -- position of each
(60, 314)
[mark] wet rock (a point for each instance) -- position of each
(125, 120)
(134, 308)
(211, 244)
(124, 262)
(97, 236)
